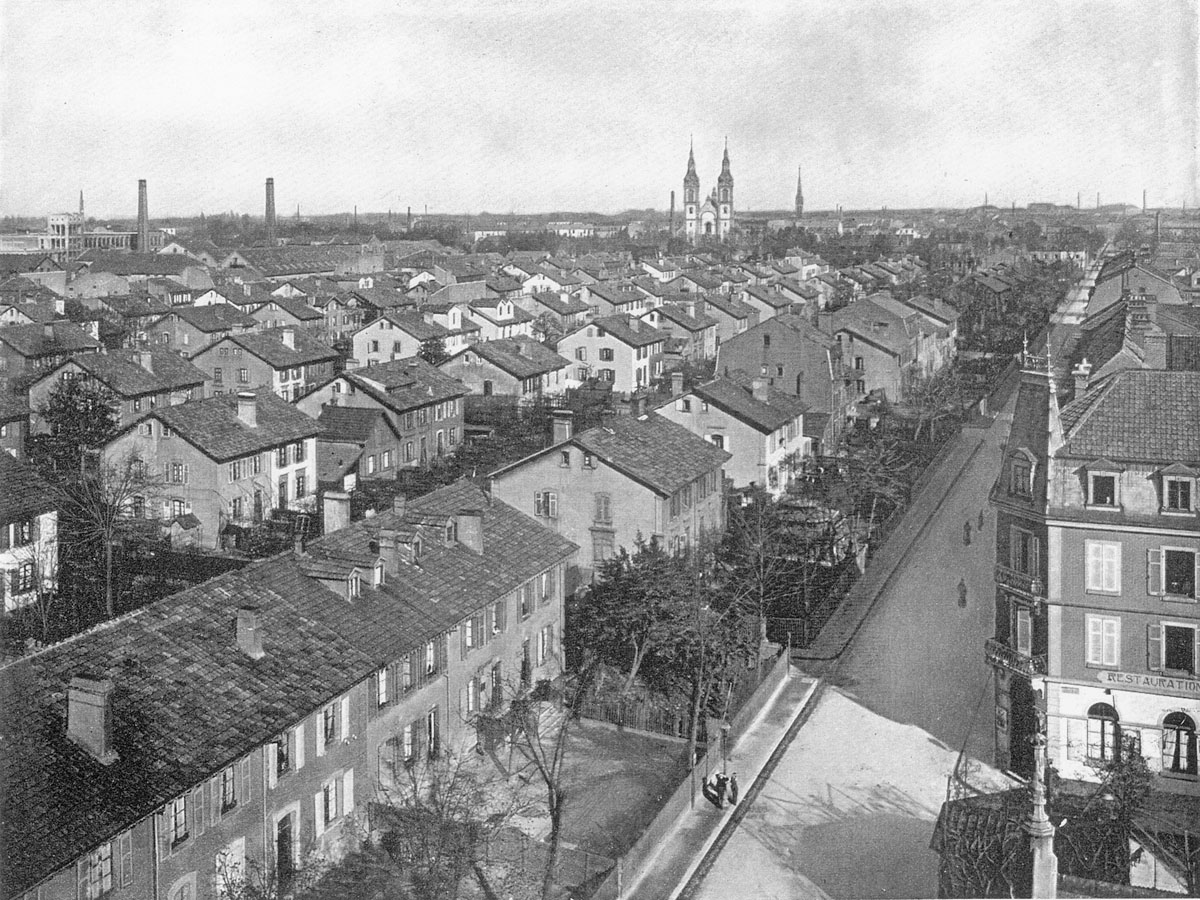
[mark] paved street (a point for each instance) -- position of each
(849, 810)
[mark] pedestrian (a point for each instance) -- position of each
(722, 783)
(980, 526)
(962, 593)
(733, 789)
(966, 534)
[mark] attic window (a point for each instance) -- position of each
(379, 576)
(451, 531)
(416, 548)
(353, 585)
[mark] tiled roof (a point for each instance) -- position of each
(1138, 415)
(276, 261)
(405, 384)
(24, 262)
(38, 312)
(620, 328)
(413, 324)
(136, 306)
(134, 263)
(736, 397)
(297, 307)
(122, 373)
(728, 305)
(519, 358)
(215, 317)
(212, 425)
(32, 340)
(556, 304)
(22, 491)
(349, 423)
(768, 296)
(12, 406)
(268, 346)
(658, 453)
(486, 309)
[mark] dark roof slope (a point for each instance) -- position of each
(1141, 414)
(736, 397)
(22, 491)
(519, 358)
(212, 425)
(621, 327)
(135, 263)
(47, 338)
(122, 373)
(268, 346)
(350, 424)
(214, 317)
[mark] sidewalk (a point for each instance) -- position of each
(841, 628)
(685, 845)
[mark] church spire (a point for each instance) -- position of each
(691, 181)
(799, 193)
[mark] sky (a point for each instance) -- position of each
(540, 105)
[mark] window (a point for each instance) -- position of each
(96, 873)
(1102, 731)
(609, 375)
(430, 658)
(408, 451)
(1023, 551)
(1102, 489)
(606, 354)
(1177, 494)
(432, 733)
(604, 509)
(371, 464)
(564, 458)
(581, 354)
(1020, 476)
(217, 376)
(387, 459)
(1178, 744)
(178, 821)
(526, 600)
(1103, 566)
(1178, 648)
(469, 636)
(281, 456)
(229, 796)
(859, 365)
(329, 802)
(545, 644)
(301, 486)
(1024, 631)
(283, 491)
(298, 452)
(1103, 641)
(683, 404)
(329, 723)
(244, 376)
(545, 504)
(1172, 572)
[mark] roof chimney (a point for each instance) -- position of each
(271, 210)
(388, 550)
(337, 511)
(145, 359)
(676, 384)
(562, 419)
(90, 715)
(1082, 372)
(247, 408)
(143, 222)
(760, 390)
(48, 331)
(288, 336)
(634, 323)
(249, 633)
(400, 505)
(470, 529)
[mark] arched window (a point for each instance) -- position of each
(1102, 732)
(1179, 744)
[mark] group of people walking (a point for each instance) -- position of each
(719, 785)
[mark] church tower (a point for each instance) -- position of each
(799, 195)
(691, 197)
(725, 198)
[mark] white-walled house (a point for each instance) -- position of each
(622, 350)
(28, 535)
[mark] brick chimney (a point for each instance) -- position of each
(470, 529)
(336, 506)
(288, 335)
(760, 389)
(249, 632)
(1154, 348)
(90, 717)
(247, 408)
(143, 222)
(563, 420)
(400, 504)
(271, 210)
(1082, 373)
(47, 332)
(388, 550)
(145, 359)
(634, 323)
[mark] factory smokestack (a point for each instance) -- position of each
(143, 225)
(271, 210)
(671, 226)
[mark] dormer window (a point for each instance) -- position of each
(353, 585)
(1102, 489)
(451, 531)
(379, 575)
(1020, 474)
(1178, 490)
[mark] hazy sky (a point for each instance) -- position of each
(536, 106)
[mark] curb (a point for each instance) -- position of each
(715, 843)
(883, 585)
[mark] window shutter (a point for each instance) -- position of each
(537, 503)
(166, 471)
(489, 624)
(462, 631)
(125, 855)
(345, 732)
(319, 728)
(1154, 572)
(1024, 631)
(319, 812)
(214, 799)
(1095, 566)
(271, 759)
(413, 670)
(245, 785)
(186, 469)
(502, 612)
(1112, 642)
(1154, 648)
(81, 878)
(373, 694)
(1035, 553)
(552, 502)
(441, 649)
(199, 819)
(348, 792)
(300, 746)
(1095, 640)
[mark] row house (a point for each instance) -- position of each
(189, 329)
(762, 428)
(27, 350)
(618, 299)
(731, 315)
(344, 315)
(624, 351)
(694, 331)
(886, 344)
(138, 267)
(14, 422)
(662, 270)
(227, 460)
(800, 360)
(460, 329)
(28, 535)
(565, 310)
(323, 676)
(356, 443)
(394, 335)
(766, 300)
(520, 368)
(282, 359)
(629, 479)
(284, 312)
(499, 319)
(139, 380)
(134, 316)
(423, 405)
(1097, 568)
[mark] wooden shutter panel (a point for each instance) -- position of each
(125, 849)
(1154, 572)
(245, 785)
(186, 477)
(489, 624)
(345, 724)
(1154, 648)
(214, 799)
(502, 612)
(319, 813)
(441, 651)
(462, 631)
(348, 792)
(373, 695)
(300, 746)
(199, 811)
(319, 727)
(81, 878)
(271, 760)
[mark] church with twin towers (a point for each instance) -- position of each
(712, 220)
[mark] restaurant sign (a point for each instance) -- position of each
(1136, 681)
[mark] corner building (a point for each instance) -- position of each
(1097, 566)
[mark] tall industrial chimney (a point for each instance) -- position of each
(1143, 199)
(271, 210)
(671, 226)
(143, 232)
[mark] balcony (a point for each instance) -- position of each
(1000, 654)
(1028, 586)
